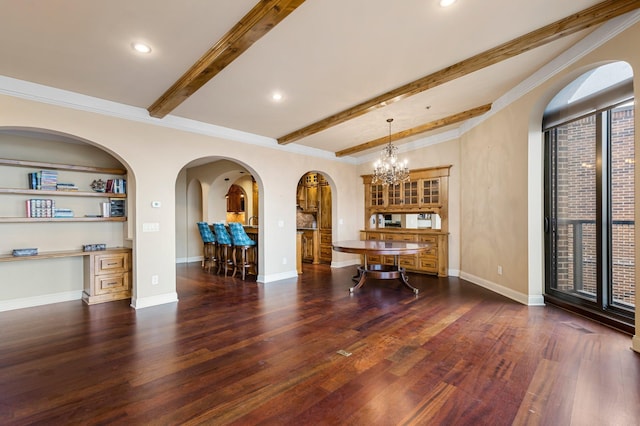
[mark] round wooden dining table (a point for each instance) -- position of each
(380, 247)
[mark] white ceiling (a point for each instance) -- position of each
(325, 57)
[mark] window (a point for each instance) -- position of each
(589, 191)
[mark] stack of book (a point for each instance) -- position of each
(63, 213)
(38, 207)
(117, 186)
(66, 187)
(49, 180)
(44, 179)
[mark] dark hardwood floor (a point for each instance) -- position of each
(234, 352)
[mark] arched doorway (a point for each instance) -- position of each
(313, 217)
(216, 190)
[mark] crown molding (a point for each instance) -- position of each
(63, 98)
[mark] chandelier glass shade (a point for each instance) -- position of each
(388, 170)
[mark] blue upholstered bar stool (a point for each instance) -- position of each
(241, 246)
(225, 248)
(210, 250)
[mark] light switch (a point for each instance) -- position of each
(150, 227)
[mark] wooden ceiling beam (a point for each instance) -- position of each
(452, 119)
(264, 16)
(584, 19)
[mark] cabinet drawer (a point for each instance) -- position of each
(325, 237)
(388, 260)
(111, 263)
(111, 283)
(399, 237)
(429, 265)
(432, 252)
(408, 261)
(377, 259)
(325, 252)
(428, 239)
(373, 236)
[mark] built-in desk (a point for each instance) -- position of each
(107, 273)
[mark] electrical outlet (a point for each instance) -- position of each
(154, 279)
(284, 260)
(499, 269)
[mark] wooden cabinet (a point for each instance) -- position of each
(314, 197)
(434, 261)
(307, 195)
(17, 212)
(107, 276)
(425, 192)
(324, 221)
(310, 246)
(235, 199)
(325, 246)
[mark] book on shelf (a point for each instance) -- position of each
(48, 180)
(116, 186)
(39, 207)
(66, 187)
(35, 180)
(45, 180)
(63, 213)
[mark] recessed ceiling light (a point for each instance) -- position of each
(141, 47)
(445, 3)
(276, 96)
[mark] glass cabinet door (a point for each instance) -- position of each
(395, 196)
(430, 191)
(377, 195)
(410, 196)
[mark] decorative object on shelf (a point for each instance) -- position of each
(116, 207)
(25, 252)
(94, 247)
(99, 185)
(106, 209)
(387, 170)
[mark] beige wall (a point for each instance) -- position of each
(501, 163)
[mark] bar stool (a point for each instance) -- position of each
(225, 248)
(242, 243)
(209, 250)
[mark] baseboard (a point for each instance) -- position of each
(345, 263)
(189, 259)
(636, 343)
(45, 299)
(277, 277)
(161, 299)
(525, 299)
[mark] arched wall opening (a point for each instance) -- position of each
(203, 186)
(75, 220)
(315, 213)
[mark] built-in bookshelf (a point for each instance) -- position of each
(32, 180)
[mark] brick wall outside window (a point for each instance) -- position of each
(576, 201)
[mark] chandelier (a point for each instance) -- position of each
(387, 170)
